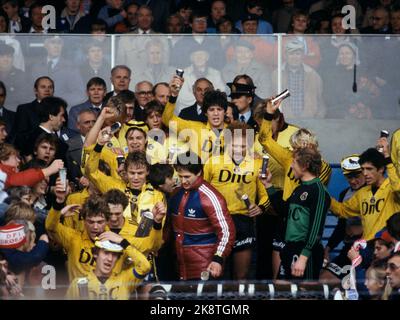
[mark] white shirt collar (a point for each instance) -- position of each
(198, 109)
(246, 115)
(45, 129)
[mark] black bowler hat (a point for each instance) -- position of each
(239, 89)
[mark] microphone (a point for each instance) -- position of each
(355, 79)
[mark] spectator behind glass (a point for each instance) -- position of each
(200, 67)
(303, 82)
(157, 68)
(65, 73)
(130, 22)
(13, 78)
(6, 116)
(112, 14)
(96, 63)
(244, 62)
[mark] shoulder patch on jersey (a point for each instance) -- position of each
(304, 196)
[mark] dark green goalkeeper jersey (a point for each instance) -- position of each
(306, 211)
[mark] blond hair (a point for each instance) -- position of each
(303, 138)
(20, 211)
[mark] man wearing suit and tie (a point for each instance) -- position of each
(64, 73)
(52, 111)
(120, 79)
(242, 96)
(194, 112)
(96, 91)
(26, 117)
(85, 121)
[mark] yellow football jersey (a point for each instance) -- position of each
(118, 286)
(395, 150)
(78, 245)
(202, 140)
(374, 209)
(233, 181)
(284, 157)
(76, 221)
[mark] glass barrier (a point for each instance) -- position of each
(351, 82)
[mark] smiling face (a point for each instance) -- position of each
(136, 140)
(40, 189)
(346, 56)
(243, 55)
(144, 18)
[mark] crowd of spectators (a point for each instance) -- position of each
(165, 173)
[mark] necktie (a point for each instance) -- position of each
(50, 66)
(242, 118)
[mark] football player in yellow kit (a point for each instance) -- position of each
(235, 174)
(104, 284)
